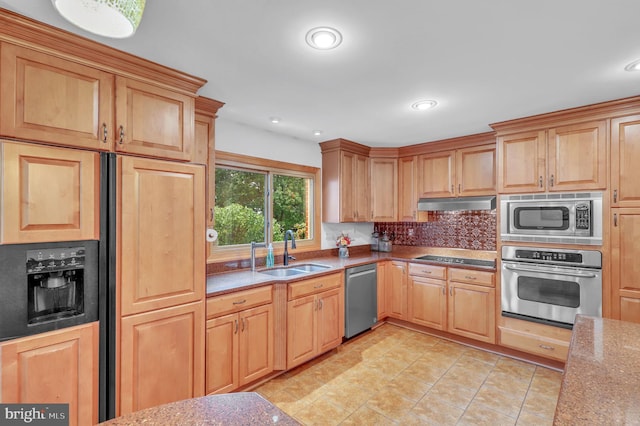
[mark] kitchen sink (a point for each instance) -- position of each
(290, 271)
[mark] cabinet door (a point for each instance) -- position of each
(382, 286)
(49, 194)
(362, 189)
(161, 241)
(153, 121)
(56, 367)
(521, 162)
(625, 251)
(428, 302)
(330, 319)
(577, 157)
(384, 189)
(472, 311)
(222, 354)
(301, 330)
(45, 98)
(625, 158)
(476, 170)
(436, 173)
(397, 296)
(256, 344)
(407, 192)
(161, 357)
(347, 186)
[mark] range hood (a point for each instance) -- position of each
(459, 203)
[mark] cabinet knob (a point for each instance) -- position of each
(121, 141)
(615, 196)
(104, 132)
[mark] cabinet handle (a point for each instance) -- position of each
(540, 181)
(469, 277)
(240, 302)
(121, 141)
(318, 286)
(414, 214)
(548, 348)
(427, 272)
(551, 181)
(236, 330)
(450, 291)
(104, 133)
(615, 219)
(459, 188)
(320, 304)
(615, 196)
(443, 291)
(452, 189)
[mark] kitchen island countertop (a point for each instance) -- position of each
(601, 381)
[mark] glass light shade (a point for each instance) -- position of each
(424, 105)
(107, 18)
(323, 38)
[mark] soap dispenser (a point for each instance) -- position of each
(270, 261)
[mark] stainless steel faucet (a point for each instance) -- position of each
(288, 233)
(253, 252)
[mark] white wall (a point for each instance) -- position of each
(241, 139)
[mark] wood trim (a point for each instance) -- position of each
(280, 326)
(28, 32)
(602, 110)
(344, 145)
(448, 144)
(208, 106)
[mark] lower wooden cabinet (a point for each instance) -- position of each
(315, 317)
(161, 357)
(56, 367)
(397, 290)
(239, 348)
(472, 311)
(428, 302)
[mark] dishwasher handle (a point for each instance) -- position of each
(357, 271)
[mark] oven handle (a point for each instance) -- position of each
(552, 271)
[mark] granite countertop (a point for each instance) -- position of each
(601, 381)
(243, 408)
(227, 282)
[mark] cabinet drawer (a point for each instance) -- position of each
(239, 300)
(428, 271)
(314, 285)
(472, 277)
(534, 344)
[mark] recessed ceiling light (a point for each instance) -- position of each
(324, 38)
(275, 120)
(633, 66)
(424, 105)
(317, 132)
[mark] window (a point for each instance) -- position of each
(258, 200)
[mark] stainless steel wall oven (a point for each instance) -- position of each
(551, 286)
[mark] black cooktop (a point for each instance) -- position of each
(458, 261)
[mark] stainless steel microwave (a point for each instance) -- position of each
(562, 218)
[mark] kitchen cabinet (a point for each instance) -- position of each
(407, 192)
(428, 295)
(471, 304)
(240, 339)
(49, 194)
(466, 171)
(625, 233)
(563, 158)
(58, 367)
(382, 286)
(161, 241)
(625, 157)
(345, 182)
(315, 317)
(397, 290)
(51, 99)
(384, 189)
(537, 339)
(161, 357)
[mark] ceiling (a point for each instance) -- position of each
(483, 61)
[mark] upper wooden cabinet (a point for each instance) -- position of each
(153, 121)
(384, 189)
(625, 158)
(161, 241)
(50, 99)
(407, 192)
(345, 182)
(467, 171)
(563, 158)
(49, 194)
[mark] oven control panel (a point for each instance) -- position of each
(549, 256)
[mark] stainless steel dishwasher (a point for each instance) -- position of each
(361, 299)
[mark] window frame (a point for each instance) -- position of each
(270, 167)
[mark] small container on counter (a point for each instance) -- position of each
(375, 239)
(385, 243)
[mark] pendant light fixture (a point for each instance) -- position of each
(107, 18)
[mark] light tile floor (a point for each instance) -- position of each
(397, 376)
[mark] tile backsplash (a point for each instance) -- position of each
(468, 229)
